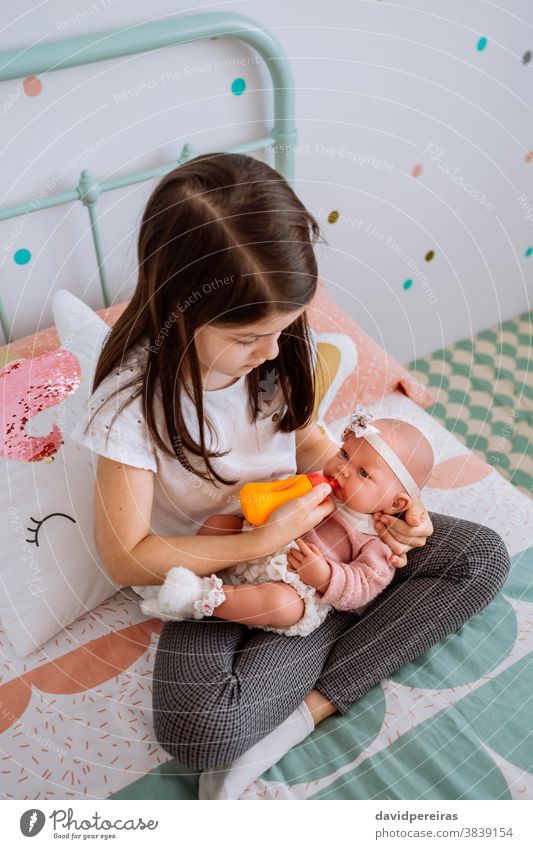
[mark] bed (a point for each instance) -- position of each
(75, 714)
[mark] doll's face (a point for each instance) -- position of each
(366, 483)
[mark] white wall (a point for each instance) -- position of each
(381, 87)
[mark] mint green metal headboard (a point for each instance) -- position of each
(141, 38)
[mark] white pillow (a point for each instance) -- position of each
(334, 371)
(46, 586)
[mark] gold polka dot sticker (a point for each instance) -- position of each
(429, 256)
(333, 216)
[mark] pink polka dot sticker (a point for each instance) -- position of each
(32, 86)
(417, 170)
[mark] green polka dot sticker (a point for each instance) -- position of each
(22, 256)
(238, 86)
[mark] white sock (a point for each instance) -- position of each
(231, 781)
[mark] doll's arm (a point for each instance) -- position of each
(310, 564)
(355, 584)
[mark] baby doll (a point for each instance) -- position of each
(342, 563)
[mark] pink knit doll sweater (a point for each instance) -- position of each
(359, 567)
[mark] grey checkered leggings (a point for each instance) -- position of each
(219, 687)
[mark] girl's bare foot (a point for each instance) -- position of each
(319, 707)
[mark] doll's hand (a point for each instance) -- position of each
(402, 536)
(309, 562)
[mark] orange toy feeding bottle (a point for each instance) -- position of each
(259, 500)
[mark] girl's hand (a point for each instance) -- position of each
(402, 536)
(296, 517)
(310, 564)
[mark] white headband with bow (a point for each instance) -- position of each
(360, 423)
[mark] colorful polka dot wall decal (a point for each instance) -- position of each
(529, 251)
(429, 256)
(417, 170)
(32, 86)
(407, 284)
(333, 216)
(526, 58)
(482, 43)
(238, 85)
(22, 256)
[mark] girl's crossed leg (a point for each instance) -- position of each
(219, 688)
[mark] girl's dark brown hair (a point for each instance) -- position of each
(221, 215)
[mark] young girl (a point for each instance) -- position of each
(226, 270)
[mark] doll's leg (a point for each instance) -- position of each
(274, 604)
(220, 524)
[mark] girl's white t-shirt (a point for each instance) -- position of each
(182, 501)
